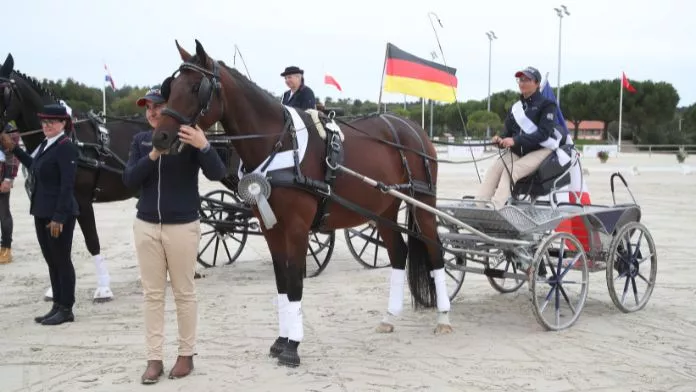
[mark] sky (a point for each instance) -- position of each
(648, 40)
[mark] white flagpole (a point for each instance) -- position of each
(423, 113)
(621, 88)
(104, 98)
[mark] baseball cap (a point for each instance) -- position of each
(153, 95)
(529, 72)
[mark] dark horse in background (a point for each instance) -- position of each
(103, 153)
(385, 147)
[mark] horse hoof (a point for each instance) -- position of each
(443, 329)
(278, 347)
(289, 357)
(198, 275)
(384, 328)
(102, 294)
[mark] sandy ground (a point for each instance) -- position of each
(497, 343)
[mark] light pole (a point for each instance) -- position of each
(491, 37)
(560, 12)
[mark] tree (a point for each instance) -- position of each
(480, 120)
(577, 104)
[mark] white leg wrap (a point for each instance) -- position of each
(103, 278)
(294, 314)
(49, 293)
(396, 292)
(443, 303)
(283, 303)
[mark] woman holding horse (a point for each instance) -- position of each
(52, 174)
(167, 231)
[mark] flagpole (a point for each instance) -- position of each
(423, 113)
(621, 88)
(381, 83)
(104, 99)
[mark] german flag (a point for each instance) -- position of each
(411, 75)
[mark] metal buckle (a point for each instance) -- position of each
(332, 167)
(327, 193)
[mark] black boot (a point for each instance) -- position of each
(50, 313)
(61, 316)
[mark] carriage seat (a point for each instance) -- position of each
(550, 175)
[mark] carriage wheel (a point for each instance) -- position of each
(628, 274)
(558, 281)
(321, 246)
(364, 243)
(456, 276)
(505, 285)
(220, 245)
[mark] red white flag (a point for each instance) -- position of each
(328, 79)
(626, 83)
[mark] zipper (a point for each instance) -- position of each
(159, 188)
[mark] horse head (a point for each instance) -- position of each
(193, 97)
(21, 97)
(8, 112)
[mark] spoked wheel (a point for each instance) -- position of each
(630, 279)
(321, 246)
(456, 277)
(505, 263)
(558, 281)
(224, 230)
(364, 243)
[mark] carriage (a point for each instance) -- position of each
(301, 156)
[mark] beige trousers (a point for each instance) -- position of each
(172, 248)
(496, 184)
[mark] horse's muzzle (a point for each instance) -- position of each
(163, 140)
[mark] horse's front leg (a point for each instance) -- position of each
(296, 241)
(276, 244)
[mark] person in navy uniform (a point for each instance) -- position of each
(299, 96)
(52, 167)
(529, 135)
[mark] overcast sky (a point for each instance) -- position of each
(72, 38)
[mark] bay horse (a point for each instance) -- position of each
(102, 156)
(385, 147)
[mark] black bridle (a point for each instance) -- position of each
(7, 89)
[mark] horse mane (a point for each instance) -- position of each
(40, 88)
(244, 83)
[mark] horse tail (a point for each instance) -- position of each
(420, 282)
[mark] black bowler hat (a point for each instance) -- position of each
(292, 70)
(55, 111)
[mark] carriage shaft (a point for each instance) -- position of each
(432, 210)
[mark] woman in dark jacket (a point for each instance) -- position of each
(299, 96)
(52, 168)
(167, 231)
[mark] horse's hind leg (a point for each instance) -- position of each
(88, 226)
(397, 250)
(427, 225)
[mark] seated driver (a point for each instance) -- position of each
(529, 136)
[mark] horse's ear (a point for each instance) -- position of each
(185, 56)
(7, 66)
(200, 52)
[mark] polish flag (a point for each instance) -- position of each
(328, 79)
(626, 83)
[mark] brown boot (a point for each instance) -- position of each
(182, 367)
(5, 255)
(155, 369)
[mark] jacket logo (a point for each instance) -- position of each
(144, 143)
(549, 116)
